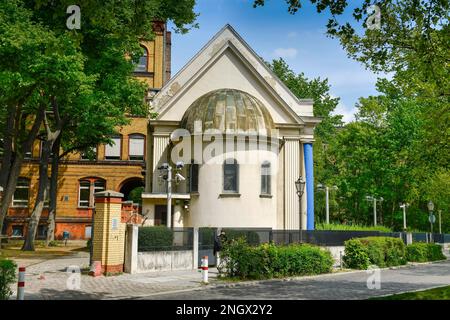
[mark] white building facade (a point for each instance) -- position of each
(244, 139)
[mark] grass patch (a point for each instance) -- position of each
(354, 227)
(442, 293)
(12, 249)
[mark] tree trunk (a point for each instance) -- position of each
(53, 192)
(13, 171)
(40, 199)
(7, 157)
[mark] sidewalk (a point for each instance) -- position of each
(48, 280)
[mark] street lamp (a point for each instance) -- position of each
(431, 217)
(300, 188)
(404, 206)
(440, 222)
(166, 170)
(321, 187)
(374, 199)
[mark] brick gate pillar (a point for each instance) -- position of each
(108, 239)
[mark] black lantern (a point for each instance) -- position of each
(430, 206)
(300, 186)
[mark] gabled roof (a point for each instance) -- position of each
(228, 38)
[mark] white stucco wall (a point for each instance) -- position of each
(209, 209)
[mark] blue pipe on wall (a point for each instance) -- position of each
(309, 167)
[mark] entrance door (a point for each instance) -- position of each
(161, 215)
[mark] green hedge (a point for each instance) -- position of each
(360, 253)
(155, 238)
(267, 261)
(423, 252)
(7, 277)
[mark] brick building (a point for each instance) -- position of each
(118, 167)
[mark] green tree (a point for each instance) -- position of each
(86, 87)
(324, 104)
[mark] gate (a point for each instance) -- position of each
(206, 245)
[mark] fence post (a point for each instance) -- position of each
(205, 270)
(131, 249)
(108, 241)
(195, 249)
(21, 284)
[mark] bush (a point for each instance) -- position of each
(7, 277)
(356, 255)
(352, 227)
(423, 252)
(155, 238)
(379, 251)
(268, 260)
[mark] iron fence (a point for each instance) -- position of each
(165, 239)
(320, 237)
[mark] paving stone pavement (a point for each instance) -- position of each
(49, 279)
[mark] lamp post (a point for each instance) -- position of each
(431, 217)
(404, 206)
(300, 188)
(374, 199)
(321, 187)
(166, 169)
(440, 222)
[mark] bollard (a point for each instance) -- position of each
(340, 259)
(205, 269)
(21, 284)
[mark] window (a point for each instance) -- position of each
(90, 154)
(20, 197)
(17, 231)
(47, 195)
(112, 152)
(193, 177)
(230, 175)
(87, 189)
(85, 194)
(42, 231)
(265, 178)
(143, 61)
(99, 186)
(136, 147)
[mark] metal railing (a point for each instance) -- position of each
(165, 239)
(321, 237)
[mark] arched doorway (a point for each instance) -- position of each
(132, 188)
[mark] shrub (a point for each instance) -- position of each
(269, 260)
(7, 277)
(155, 238)
(380, 251)
(353, 227)
(423, 252)
(54, 243)
(356, 254)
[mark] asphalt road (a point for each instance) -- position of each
(342, 286)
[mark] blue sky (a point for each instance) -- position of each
(272, 32)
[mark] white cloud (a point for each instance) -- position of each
(285, 52)
(348, 113)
